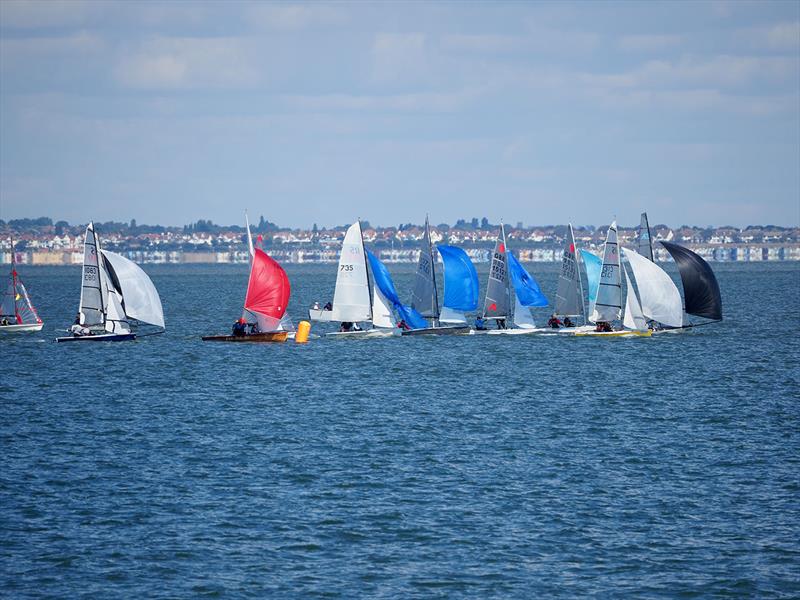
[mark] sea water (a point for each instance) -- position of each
(475, 466)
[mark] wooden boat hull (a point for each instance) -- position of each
(100, 337)
(272, 336)
(450, 330)
(23, 328)
(363, 333)
(627, 333)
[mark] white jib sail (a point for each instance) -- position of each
(450, 315)
(381, 311)
(522, 315)
(608, 306)
(634, 318)
(661, 299)
(351, 297)
(142, 301)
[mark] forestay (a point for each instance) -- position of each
(139, 296)
(460, 285)
(351, 297)
(660, 297)
(608, 306)
(569, 296)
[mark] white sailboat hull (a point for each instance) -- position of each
(364, 333)
(317, 314)
(23, 328)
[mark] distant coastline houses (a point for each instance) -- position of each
(38, 242)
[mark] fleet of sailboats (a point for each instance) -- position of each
(627, 293)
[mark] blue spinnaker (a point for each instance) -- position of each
(526, 287)
(593, 266)
(383, 280)
(460, 279)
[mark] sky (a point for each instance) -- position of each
(544, 113)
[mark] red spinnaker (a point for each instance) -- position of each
(268, 289)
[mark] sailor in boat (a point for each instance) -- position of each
(568, 322)
(554, 322)
(316, 306)
(403, 325)
(501, 323)
(480, 324)
(328, 306)
(603, 327)
(239, 328)
(254, 328)
(78, 330)
(346, 326)
(4, 322)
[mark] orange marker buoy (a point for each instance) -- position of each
(303, 329)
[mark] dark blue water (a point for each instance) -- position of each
(481, 466)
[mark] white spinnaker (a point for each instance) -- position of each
(381, 310)
(608, 306)
(522, 315)
(141, 298)
(450, 315)
(351, 297)
(661, 299)
(634, 318)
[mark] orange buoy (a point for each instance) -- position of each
(303, 329)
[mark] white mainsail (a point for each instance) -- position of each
(351, 298)
(634, 318)
(140, 296)
(661, 299)
(94, 290)
(608, 306)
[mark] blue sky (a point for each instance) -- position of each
(544, 113)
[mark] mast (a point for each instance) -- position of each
(366, 267)
(578, 268)
(433, 274)
(511, 304)
(14, 280)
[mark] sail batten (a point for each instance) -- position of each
(569, 295)
(351, 301)
(608, 306)
(701, 293)
(497, 305)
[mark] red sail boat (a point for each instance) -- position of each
(17, 311)
(265, 303)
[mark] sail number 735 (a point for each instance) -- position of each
(345, 267)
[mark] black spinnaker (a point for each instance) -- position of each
(701, 294)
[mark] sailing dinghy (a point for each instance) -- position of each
(265, 302)
(607, 307)
(351, 297)
(17, 313)
(115, 291)
(425, 297)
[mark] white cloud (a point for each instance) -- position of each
(24, 14)
(784, 36)
(177, 63)
(16, 51)
(293, 17)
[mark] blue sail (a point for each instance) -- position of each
(526, 287)
(383, 280)
(593, 266)
(460, 279)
